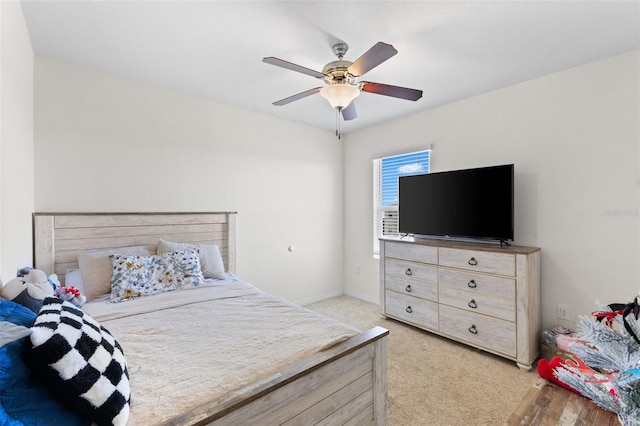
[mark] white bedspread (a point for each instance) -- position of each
(187, 347)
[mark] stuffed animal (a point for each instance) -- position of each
(29, 290)
(71, 294)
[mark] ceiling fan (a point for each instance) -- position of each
(341, 79)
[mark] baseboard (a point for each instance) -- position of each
(337, 293)
(362, 297)
(326, 296)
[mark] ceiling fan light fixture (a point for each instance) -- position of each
(339, 95)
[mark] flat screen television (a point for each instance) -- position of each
(472, 203)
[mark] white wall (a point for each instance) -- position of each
(16, 140)
(107, 143)
(574, 139)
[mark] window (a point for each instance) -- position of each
(385, 189)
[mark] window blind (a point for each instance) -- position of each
(386, 172)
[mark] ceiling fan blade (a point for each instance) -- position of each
(297, 96)
(350, 113)
(394, 91)
(373, 57)
(293, 67)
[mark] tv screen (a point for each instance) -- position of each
(473, 203)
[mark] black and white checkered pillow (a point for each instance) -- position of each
(82, 362)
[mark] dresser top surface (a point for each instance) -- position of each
(464, 245)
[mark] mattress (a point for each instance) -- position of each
(189, 347)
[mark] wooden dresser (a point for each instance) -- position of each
(479, 294)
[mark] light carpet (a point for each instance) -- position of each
(433, 380)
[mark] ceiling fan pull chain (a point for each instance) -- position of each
(338, 123)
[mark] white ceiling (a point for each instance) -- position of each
(451, 50)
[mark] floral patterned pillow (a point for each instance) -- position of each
(135, 276)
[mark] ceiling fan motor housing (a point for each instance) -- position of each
(335, 72)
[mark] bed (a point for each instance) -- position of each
(327, 373)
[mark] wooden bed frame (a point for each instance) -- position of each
(346, 384)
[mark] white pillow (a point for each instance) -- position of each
(210, 258)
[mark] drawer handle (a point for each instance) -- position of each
(472, 304)
(408, 289)
(409, 310)
(472, 284)
(472, 261)
(408, 271)
(473, 329)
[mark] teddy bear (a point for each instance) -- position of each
(32, 286)
(29, 290)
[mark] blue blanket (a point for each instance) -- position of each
(25, 401)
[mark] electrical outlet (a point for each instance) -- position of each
(562, 311)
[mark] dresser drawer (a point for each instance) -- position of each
(420, 312)
(478, 283)
(413, 252)
(415, 278)
(421, 289)
(491, 333)
(482, 261)
(493, 306)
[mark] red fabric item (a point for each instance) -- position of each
(607, 316)
(546, 368)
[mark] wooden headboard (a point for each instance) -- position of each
(59, 237)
